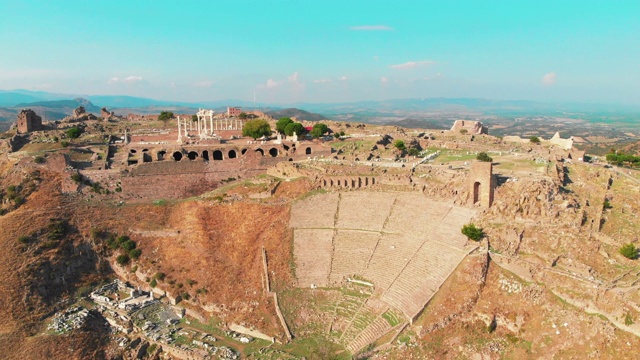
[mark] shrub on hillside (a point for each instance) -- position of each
(122, 259)
(160, 276)
(77, 177)
(128, 245)
(399, 144)
(73, 133)
(472, 232)
(484, 157)
(135, 254)
(57, 229)
(630, 251)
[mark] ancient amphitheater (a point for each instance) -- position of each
(404, 244)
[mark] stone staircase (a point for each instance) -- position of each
(378, 328)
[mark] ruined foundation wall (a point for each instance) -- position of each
(172, 180)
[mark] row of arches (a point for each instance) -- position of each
(207, 155)
(347, 182)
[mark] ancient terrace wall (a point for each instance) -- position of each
(176, 172)
(216, 151)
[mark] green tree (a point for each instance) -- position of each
(242, 115)
(194, 118)
(484, 157)
(123, 259)
(256, 128)
(282, 124)
(629, 251)
(128, 245)
(292, 128)
(73, 133)
(165, 116)
(472, 232)
(413, 152)
(318, 130)
(399, 144)
(135, 253)
(534, 139)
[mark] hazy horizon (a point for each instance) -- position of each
(325, 52)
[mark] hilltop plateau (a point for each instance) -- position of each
(173, 237)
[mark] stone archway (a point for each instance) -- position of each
(476, 192)
(243, 151)
(273, 152)
(307, 151)
(232, 154)
(177, 156)
(161, 155)
(205, 155)
(217, 155)
(192, 155)
(260, 151)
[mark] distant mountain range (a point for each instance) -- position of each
(411, 111)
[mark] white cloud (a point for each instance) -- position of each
(371, 28)
(413, 64)
(131, 79)
(293, 79)
(271, 84)
(128, 79)
(322, 81)
(342, 78)
(203, 84)
(549, 79)
(384, 80)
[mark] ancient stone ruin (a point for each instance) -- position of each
(106, 114)
(481, 183)
(79, 111)
(79, 114)
(28, 121)
(471, 127)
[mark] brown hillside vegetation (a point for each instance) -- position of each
(211, 251)
(36, 276)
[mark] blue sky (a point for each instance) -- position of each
(324, 51)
